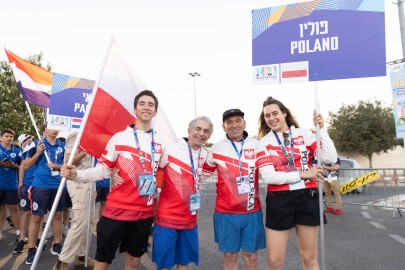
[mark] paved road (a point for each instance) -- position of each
(361, 238)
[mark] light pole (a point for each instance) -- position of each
(195, 95)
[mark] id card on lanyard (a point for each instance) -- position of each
(242, 181)
(146, 180)
(195, 199)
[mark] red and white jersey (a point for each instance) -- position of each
(121, 152)
(272, 163)
(224, 158)
(173, 209)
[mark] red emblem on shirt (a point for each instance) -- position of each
(158, 148)
(249, 153)
(299, 140)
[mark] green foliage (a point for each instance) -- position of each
(13, 111)
(365, 128)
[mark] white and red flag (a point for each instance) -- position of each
(111, 109)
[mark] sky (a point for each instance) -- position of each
(166, 40)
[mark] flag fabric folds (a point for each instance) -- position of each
(112, 107)
(34, 82)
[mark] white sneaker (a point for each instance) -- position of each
(65, 231)
(49, 234)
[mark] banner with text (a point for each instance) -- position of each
(318, 40)
(69, 99)
(397, 75)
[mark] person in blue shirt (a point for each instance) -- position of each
(10, 160)
(44, 189)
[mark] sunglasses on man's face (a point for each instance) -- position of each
(286, 140)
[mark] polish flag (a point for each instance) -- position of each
(34, 82)
(112, 107)
(294, 72)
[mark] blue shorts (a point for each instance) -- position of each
(171, 247)
(233, 232)
(42, 200)
(24, 199)
(102, 193)
(9, 196)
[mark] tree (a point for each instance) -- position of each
(13, 111)
(365, 128)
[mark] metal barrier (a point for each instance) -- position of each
(387, 192)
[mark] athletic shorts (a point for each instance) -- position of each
(24, 199)
(233, 232)
(287, 208)
(42, 200)
(129, 236)
(174, 247)
(68, 200)
(102, 193)
(9, 196)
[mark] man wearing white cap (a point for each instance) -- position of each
(24, 182)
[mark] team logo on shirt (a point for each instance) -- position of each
(249, 153)
(158, 148)
(13, 155)
(299, 140)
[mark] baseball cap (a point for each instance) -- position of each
(231, 112)
(22, 138)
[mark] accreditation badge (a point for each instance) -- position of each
(243, 185)
(54, 173)
(146, 183)
(195, 203)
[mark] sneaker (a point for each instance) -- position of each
(18, 238)
(19, 248)
(10, 222)
(31, 255)
(56, 249)
(26, 240)
(329, 210)
(37, 245)
(65, 231)
(338, 212)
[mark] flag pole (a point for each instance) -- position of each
(70, 161)
(36, 128)
(320, 191)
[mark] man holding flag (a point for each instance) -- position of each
(127, 218)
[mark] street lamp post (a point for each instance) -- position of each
(194, 75)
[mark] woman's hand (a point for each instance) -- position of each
(315, 173)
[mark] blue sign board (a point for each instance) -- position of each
(318, 40)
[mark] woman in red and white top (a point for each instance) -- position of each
(284, 159)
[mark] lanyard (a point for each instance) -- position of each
(196, 175)
(239, 154)
(289, 157)
(152, 152)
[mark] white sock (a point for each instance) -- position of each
(17, 232)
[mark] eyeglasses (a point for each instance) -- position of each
(286, 140)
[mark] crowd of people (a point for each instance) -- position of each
(157, 184)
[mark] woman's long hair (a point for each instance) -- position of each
(264, 128)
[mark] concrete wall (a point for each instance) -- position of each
(391, 159)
